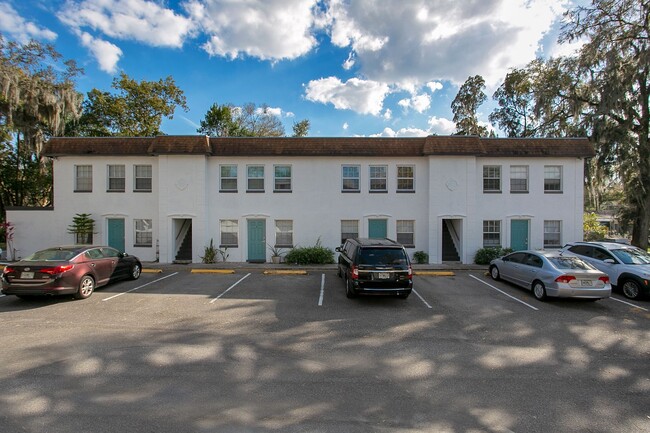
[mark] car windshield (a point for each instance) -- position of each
(632, 256)
(53, 255)
(570, 263)
(382, 256)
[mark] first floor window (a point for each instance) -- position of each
(229, 233)
(378, 175)
(552, 234)
(143, 233)
(142, 176)
(492, 178)
(406, 232)
(349, 229)
(405, 178)
(83, 178)
(492, 233)
(350, 177)
(284, 233)
(116, 178)
(255, 178)
(228, 175)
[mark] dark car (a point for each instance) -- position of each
(73, 270)
(375, 267)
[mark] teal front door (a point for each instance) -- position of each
(116, 233)
(257, 241)
(377, 228)
(519, 235)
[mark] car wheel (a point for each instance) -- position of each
(631, 289)
(136, 270)
(349, 291)
(539, 291)
(86, 287)
(494, 273)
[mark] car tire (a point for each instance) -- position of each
(539, 291)
(86, 287)
(494, 273)
(631, 289)
(349, 291)
(136, 270)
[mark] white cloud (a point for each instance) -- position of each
(362, 96)
(268, 30)
(11, 23)
(434, 85)
(140, 20)
(106, 54)
(346, 126)
(403, 132)
(441, 126)
(419, 103)
(388, 114)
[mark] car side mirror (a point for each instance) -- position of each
(609, 261)
(338, 249)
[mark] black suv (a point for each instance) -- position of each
(375, 267)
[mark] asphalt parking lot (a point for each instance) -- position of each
(247, 352)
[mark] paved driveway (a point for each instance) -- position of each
(248, 352)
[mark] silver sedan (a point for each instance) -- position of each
(548, 273)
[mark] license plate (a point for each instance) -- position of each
(383, 275)
(26, 275)
(585, 283)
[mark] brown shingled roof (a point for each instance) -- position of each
(320, 146)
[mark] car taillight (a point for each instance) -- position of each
(410, 273)
(565, 279)
(604, 279)
(56, 270)
(8, 270)
(355, 272)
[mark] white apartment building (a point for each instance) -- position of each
(164, 198)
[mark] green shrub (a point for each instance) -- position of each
(316, 255)
(485, 255)
(421, 258)
(210, 253)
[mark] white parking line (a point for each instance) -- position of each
(501, 291)
(228, 289)
(139, 287)
(322, 290)
(628, 303)
(422, 299)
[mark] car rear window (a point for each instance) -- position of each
(382, 256)
(570, 263)
(50, 255)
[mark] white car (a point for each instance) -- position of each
(628, 267)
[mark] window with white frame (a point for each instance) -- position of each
(552, 234)
(228, 178)
(405, 178)
(349, 229)
(491, 178)
(491, 233)
(350, 176)
(142, 178)
(255, 175)
(229, 233)
(282, 174)
(378, 176)
(406, 232)
(518, 178)
(552, 178)
(143, 233)
(83, 178)
(116, 178)
(284, 233)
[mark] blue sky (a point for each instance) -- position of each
(352, 67)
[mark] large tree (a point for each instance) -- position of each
(614, 65)
(248, 121)
(137, 109)
(465, 107)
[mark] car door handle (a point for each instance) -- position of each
(92, 264)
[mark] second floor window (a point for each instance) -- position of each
(83, 178)
(552, 178)
(492, 178)
(405, 178)
(116, 178)
(350, 176)
(518, 178)
(282, 178)
(228, 178)
(378, 178)
(255, 178)
(142, 176)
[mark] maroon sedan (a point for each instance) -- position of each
(74, 270)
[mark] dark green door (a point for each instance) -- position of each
(377, 228)
(116, 233)
(257, 240)
(519, 235)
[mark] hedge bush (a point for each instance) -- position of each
(316, 255)
(485, 255)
